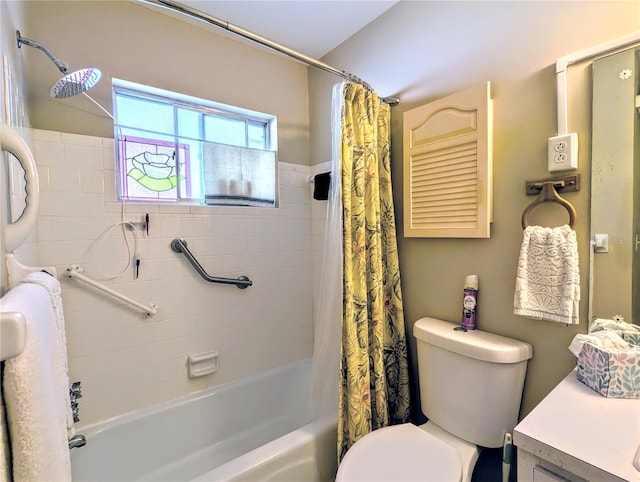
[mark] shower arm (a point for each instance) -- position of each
(32, 43)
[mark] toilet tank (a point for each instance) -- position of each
(470, 382)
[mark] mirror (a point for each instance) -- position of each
(615, 177)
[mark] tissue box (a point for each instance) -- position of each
(612, 372)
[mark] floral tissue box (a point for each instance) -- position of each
(612, 372)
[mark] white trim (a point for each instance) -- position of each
(563, 63)
(191, 101)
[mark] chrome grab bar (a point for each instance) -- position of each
(180, 246)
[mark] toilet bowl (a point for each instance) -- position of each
(409, 453)
(470, 389)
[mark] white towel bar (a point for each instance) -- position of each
(75, 272)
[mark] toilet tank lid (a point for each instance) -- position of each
(473, 343)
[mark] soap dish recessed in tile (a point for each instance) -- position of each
(203, 364)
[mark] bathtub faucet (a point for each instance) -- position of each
(77, 441)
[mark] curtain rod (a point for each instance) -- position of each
(198, 15)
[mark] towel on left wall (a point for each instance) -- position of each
(36, 384)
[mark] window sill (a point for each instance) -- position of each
(133, 207)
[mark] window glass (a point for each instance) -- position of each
(153, 116)
(189, 123)
(256, 135)
(225, 130)
(171, 150)
(149, 167)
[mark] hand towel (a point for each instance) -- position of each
(548, 275)
(35, 388)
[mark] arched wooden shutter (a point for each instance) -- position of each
(447, 166)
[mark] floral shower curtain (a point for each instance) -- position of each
(374, 380)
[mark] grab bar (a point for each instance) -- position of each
(180, 246)
(75, 272)
(16, 232)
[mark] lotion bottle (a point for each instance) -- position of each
(470, 302)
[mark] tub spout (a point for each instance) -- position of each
(77, 441)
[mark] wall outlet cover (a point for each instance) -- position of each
(563, 152)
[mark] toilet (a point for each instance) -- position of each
(470, 388)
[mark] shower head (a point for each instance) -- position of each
(75, 83)
(71, 84)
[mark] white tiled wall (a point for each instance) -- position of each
(126, 360)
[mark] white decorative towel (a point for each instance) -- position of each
(36, 384)
(548, 277)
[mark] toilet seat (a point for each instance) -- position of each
(401, 452)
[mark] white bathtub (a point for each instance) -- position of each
(254, 429)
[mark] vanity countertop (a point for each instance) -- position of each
(589, 435)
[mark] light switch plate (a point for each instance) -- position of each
(601, 243)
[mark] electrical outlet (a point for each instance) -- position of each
(563, 152)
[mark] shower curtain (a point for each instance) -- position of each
(373, 389)
(326, 336)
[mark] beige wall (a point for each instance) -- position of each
(129, 41)
(424, 50)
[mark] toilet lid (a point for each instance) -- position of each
(401, 452)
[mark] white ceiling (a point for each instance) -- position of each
(312, 27)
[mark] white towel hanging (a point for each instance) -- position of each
(36, 384)
(548, 276)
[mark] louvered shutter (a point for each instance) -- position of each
(447, 166)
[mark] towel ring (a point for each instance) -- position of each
(548, 193)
